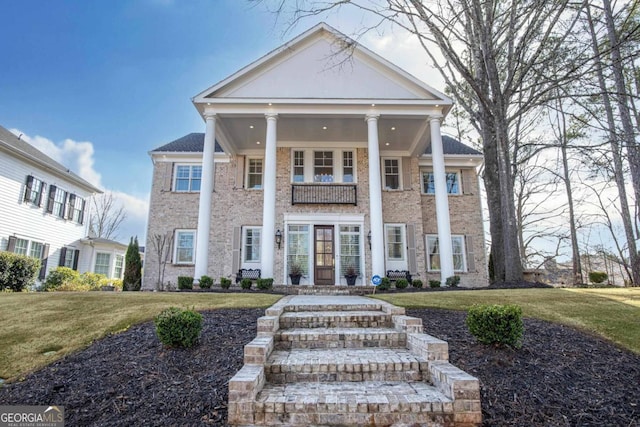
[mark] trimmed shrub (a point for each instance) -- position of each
(185, 282)
(597, 277)
(416, 283)
(93, 281)
(402, 283)
(496, 324)
(178, 328)
(17, 271)
(385, 284)
(59, 276)
(73, 286)
(206, 282)
(453, 281)
(434, 283)
(264, 284)
(246, 283)
(225, 282)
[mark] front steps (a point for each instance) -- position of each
(348, 360)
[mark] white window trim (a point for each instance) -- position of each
(175, 246)
(384, 174)
(115, 266)
(338, 165)
(175, 177)
(246, 173)
(245, 262)
(423, 190)
(464, 252)
(403, 232)
(69, 254)
(109, 266)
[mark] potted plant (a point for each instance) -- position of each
(295, 273)
(351, 275)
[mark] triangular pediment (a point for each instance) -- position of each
(316, 65)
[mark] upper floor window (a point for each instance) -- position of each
(254, 174)
(77, 209)
(185, 246)
(33, 191)
(433, 253)
(57, 201)
(453, 183)
(391, 174)
(323, 166)
(298, 166)
(347, 167)
(188, 178)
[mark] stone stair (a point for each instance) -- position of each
(348, 360)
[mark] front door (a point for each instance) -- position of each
(324, 255)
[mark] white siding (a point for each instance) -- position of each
(27, 221)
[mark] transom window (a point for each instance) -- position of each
(103, 260)
(433, 253)
(395, 242)
(254, 174)
(392, 174)
(252, 244)
(185, 246)
(428, 184)
(188, 178)
(323, 166)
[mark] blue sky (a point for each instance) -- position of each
(97, 84)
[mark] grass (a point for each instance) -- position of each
(611, 313)
(39, 328)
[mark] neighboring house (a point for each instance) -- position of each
(562, 273)
(317, 159)
(44, 207)
(102, 256)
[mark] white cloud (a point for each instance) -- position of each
(79, 157)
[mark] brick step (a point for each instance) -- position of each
(379, 364)
(313, 338)
(324, 303)
(335, 319)
(364, 403)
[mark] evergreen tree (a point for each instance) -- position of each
(133, 267)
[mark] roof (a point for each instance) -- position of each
(453, 146)
(103, 241)
(23, 149)
(192, 143)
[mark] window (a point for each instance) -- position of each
(349, 248)
(298, 166)
(36, 250)
(433, 253)
(252, 244)
(395, 242)
(117, 270)
(391, 174)
(102, 263)
(188, 178)
(254, 174)
(185, 246)
(57, 201)
(298, 247)
(453, 183)
(77, 213)
(323, 166)
(70, 258)
(33, 192)
(347, 166)
(22, 246)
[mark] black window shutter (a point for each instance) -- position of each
(81, 219)
(71, 204)
(64, 204)
(52, 197)
(43, 262)
(43, 188)
(11, 246)
(27, 190)
(75, 258)
(63, 257)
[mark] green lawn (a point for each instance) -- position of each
(38, 328)
(610, 313)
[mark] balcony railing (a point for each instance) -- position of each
(324, 194)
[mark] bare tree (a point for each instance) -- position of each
(106, 216)
(162, 249)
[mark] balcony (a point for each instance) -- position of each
(324, 194)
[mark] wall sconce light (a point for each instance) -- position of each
(279, 238)
(369, 238)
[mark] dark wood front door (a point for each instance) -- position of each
(324, 255)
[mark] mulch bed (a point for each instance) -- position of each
(560, 377)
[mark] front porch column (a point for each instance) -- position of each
(442, 200)
(206, 193)
(375, 198)
(269, 193)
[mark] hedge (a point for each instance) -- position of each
(17, 271)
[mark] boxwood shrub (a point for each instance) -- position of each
(225, 282)
(246, 283)
(385, 284)
(434, 283)
(178, 328)
(496, 324)
(416, 283)
(185, 282)
(206, 282)
(264, 284)
(17, 271)
(402, 283)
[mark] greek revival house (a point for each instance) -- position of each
(321, 160)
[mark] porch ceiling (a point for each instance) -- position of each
(397, 134)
